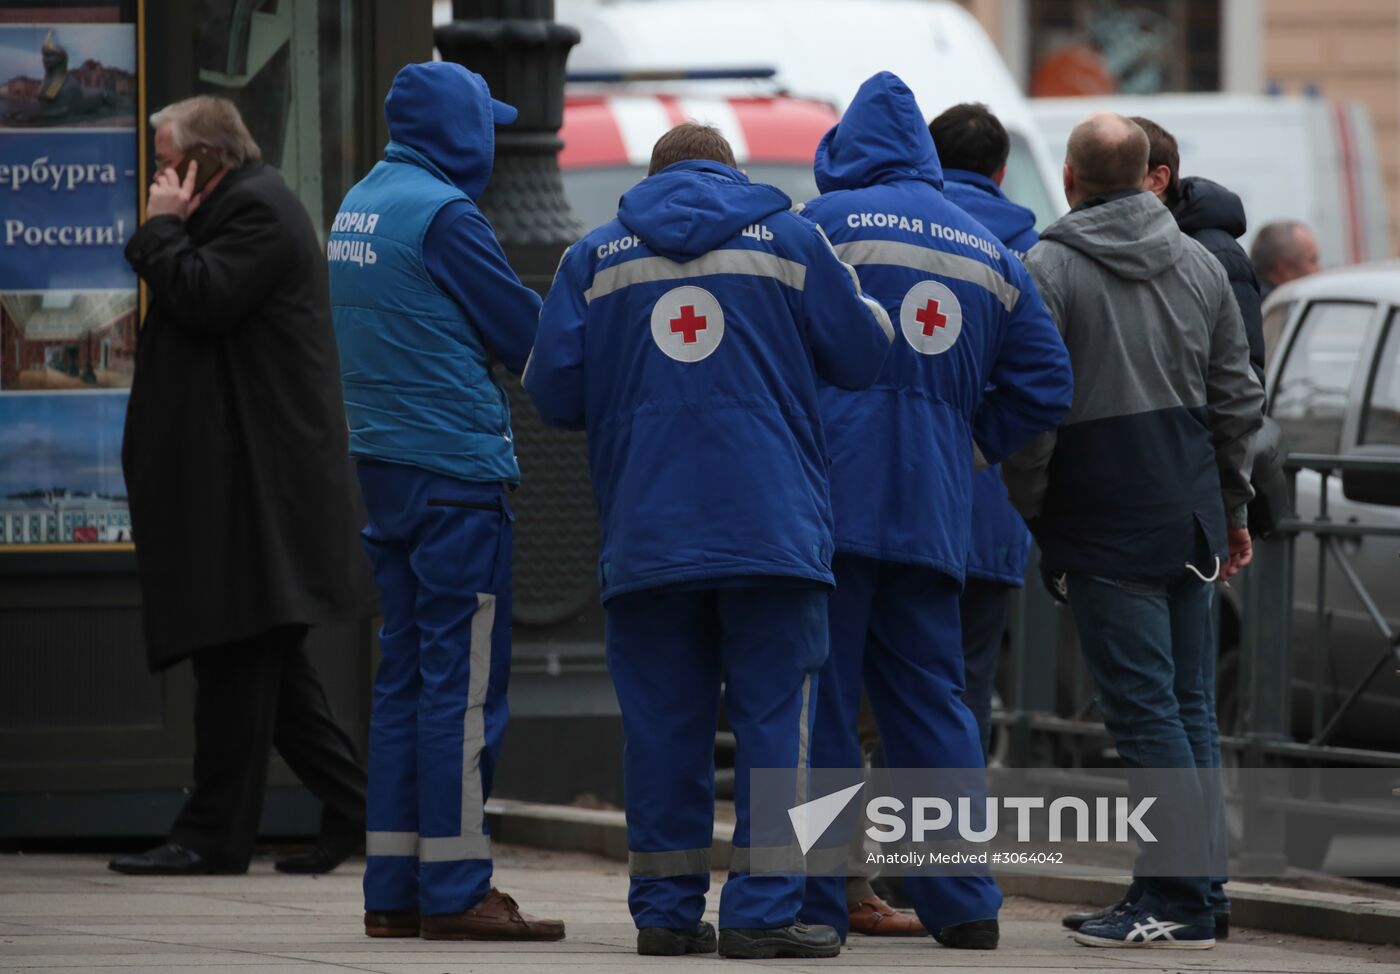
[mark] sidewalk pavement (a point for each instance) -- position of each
(67, 913)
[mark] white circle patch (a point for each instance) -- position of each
(687, 323)
(930, 318)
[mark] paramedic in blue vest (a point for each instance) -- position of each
(977, 361)
(424, 301)
(687, 336)
(973, 147)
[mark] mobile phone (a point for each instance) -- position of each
(208, 166)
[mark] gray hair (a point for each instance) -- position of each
(212, 122)
(1275, 242)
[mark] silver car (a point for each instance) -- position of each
(1333, 343)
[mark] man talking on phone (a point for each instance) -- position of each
(241, 500)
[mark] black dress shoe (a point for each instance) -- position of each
(794, 940)
(171, 859)
(322, 859)
(973, 935)
(665, 942)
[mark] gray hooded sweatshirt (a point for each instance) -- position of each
(1151, 463)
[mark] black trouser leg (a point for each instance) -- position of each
(235, 711)
(318, 750)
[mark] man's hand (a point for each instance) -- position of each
(170, 196)
(1241, 552)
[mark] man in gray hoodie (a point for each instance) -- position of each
(1139, 499)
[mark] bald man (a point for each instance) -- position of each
(1139, 499)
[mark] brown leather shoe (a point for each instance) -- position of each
(874, 917)
(496, 917)
(391, 923)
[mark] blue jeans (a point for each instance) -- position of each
(1151, 651)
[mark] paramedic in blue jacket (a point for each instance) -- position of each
(687, 337)
(976, 360)
(973, 147)
(423, 301)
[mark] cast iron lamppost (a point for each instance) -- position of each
(520, 50)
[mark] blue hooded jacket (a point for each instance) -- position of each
(686, 337)
(422, 296)
(1000, 543)
(967, 317)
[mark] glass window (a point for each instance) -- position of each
(1025, 185)
(1310, 401)
(1274, 323)
(1381, 421)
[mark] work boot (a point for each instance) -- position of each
(973, 935)
(874, 917)
(496, 917)
(665, 942)
(391, 923)
(794, 940)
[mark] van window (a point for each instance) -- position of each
(1381, 421)
(1310, 400)
(1025, 185)
(1274, 322)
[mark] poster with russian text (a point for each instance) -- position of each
(69, 185)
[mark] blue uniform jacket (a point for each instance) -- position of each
(422, 296)
(1000, 542)
(966, 316)
(686, 337)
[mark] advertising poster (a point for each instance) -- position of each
(69, 309)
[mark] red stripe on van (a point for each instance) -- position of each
(591, 135)
(786, 131)
(1355, 243)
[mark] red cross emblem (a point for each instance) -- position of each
(689, 324)
(928, 317)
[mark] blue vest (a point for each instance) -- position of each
(418, 387)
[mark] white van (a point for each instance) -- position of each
(1289, 158)
(824, 49)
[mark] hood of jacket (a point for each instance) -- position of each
(446, 114)
(690, 208)
(983, 200)
(883, 137)
(1206, 205)
(1134, 236)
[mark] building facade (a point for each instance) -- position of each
(1342, 49)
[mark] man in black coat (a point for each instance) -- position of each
(240, 488)
(1214, 217)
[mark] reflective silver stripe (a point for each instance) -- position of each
(755, 263)
(804, 739)
(934, 262)
(677, 862)
(882, 317)
(391, 843)
(474, 843)
(454, 848)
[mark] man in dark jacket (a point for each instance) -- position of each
(976, 363)
(973, 147)
(1212, 216)
(423, 300)
(686, 337)
(1139, 499)
(242, 506)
